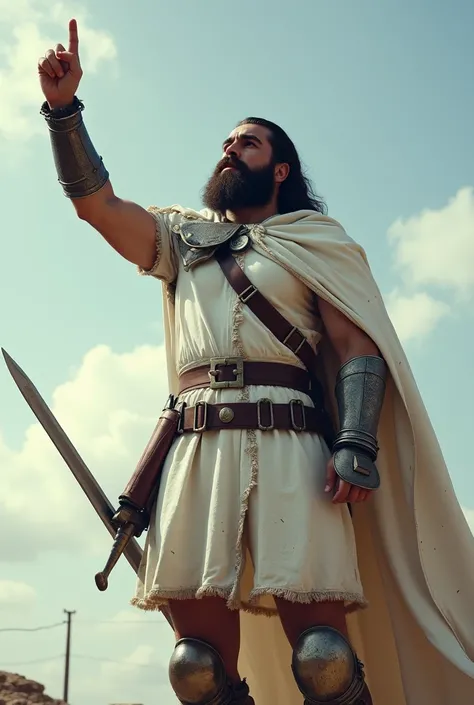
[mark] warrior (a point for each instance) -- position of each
(305, 483)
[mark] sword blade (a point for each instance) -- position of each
(73, 460)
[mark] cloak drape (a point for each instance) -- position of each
(415, 548)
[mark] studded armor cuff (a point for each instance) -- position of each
(80, 169)
(360, 390)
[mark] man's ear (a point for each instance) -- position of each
(281, 172)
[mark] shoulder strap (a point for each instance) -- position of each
(283, 330)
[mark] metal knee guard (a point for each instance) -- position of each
(326, 669)
(198, 677)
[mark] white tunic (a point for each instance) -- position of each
(243, 514)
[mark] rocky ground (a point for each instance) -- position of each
(18, 690)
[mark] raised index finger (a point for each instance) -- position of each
(73, 37)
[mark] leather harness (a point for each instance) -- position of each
(235, 372)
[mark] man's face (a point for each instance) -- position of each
(245, 175)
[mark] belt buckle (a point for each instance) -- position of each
(238, 371)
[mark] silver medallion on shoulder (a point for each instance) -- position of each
(239, 243)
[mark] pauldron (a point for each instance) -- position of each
(198, 241)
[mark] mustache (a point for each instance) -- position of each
(230, 162)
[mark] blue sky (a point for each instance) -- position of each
(377, 97)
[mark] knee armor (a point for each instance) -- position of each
(326, 669)
(198, 677)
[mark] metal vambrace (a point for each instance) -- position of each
(360, 391)
(81, 171)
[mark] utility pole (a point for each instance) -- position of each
(68, 653)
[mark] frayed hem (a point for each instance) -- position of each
(352, 600)
(158, 598)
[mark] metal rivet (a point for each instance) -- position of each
(226, 415)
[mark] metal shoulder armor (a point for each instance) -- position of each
(199, 240)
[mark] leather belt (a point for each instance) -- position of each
(263, 414)
(235, 373)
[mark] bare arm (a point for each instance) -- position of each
(347, 339)
(126, 226)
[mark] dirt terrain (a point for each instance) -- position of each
(18, 690)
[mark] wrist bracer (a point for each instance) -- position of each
(360, 391)
(81, 171)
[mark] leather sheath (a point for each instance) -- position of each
(141, 488)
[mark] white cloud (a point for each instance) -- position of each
(137, 678)
(414, 317)
(137, 674)
(109, 409)
(16, 595)
(436, 247)
(433, 249)
(25, 33)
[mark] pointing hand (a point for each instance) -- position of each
(60, 71)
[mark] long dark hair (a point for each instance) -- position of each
(296, 192)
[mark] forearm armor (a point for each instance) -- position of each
(81, 171)
(360, 391)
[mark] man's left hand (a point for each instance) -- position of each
(343, 491)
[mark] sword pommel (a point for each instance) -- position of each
(129, 522)
(123, 536)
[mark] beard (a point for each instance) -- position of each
(242, 188)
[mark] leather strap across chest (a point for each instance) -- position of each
(284, 331)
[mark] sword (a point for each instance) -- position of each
(73, 460)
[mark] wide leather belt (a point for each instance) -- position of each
(263, 414)
(235, 373)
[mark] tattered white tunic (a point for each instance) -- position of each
(243, 514)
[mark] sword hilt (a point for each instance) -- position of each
(123, 536)
(129, 522)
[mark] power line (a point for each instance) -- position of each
(73, 656)
(33, 629)
(156, 622)
(109, 660)
(37, 660)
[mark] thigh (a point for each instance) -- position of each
(302, 544)
(212, 621)
(297, 617)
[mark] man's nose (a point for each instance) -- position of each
(232, 150)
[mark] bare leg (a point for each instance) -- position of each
(296, 617)
(210, 619)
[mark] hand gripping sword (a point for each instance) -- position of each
(73, 460)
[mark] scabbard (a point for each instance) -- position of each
(142, 487)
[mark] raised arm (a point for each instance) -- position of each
(126, 226)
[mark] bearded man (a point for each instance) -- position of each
(273, 325)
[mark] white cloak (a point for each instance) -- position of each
(415, 548)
